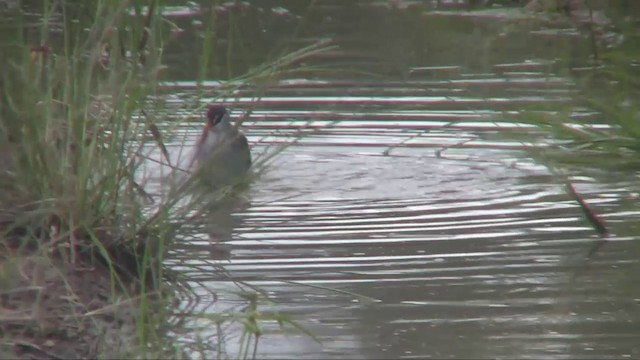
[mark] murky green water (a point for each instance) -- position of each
(408, 183)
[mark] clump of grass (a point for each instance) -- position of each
(69, 134)
(68, 121)
(79, 95)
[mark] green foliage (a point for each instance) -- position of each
(68, 121)
(78, 106)
(609, 91)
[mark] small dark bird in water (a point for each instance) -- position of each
(222, 155)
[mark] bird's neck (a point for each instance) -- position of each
(224, 126)
(212, 139)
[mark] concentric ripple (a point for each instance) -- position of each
(385, 250)
(405, 217)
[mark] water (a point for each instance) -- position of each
(406, 219)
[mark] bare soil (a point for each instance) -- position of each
(51, 308)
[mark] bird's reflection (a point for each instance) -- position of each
(223, 219)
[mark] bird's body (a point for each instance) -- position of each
(222, 154)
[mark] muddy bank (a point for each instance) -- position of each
(53, 309)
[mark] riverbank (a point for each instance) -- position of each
(73, 236)
(53, 309)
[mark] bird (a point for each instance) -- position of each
(222, 156)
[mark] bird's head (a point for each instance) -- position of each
(220, 136)
(217, 118)
(216, 129)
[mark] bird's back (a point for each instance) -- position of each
(227, 162)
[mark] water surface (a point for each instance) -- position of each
(406, 218)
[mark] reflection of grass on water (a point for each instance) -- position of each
(609, 90)
(80, 262)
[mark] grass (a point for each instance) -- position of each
(609, 91)
(81, 251)
(607, 140)
(71, 202)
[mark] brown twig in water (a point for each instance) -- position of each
(593, 218)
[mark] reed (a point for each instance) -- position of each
(608, 91)
(79, 111)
